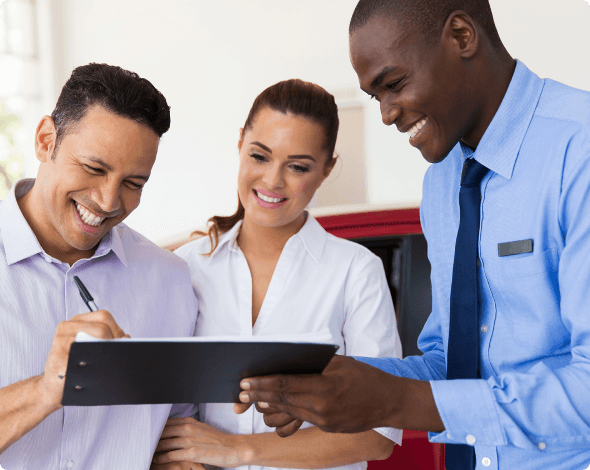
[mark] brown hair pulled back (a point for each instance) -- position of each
(290, 96)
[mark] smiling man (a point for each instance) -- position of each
(505, 371)
(96, 151)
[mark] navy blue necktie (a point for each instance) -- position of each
(463, 346)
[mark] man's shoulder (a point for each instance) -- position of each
(141, 251)
(564, 103)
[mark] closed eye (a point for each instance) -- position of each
(300, 168)
(392, 86)
(132, 185)
(93, 170)
(259, 158)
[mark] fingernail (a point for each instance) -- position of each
(245, 385)
(244, 397)
(262, 404)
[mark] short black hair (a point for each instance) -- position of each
(428, 15)
(118, 90)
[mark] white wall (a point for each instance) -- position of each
(211, 58)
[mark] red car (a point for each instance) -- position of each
(395, 235)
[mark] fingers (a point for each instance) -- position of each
(289, 428)
(177, 466)
(103, 317)
(168, 444)
(240, 408)
(283, 401)
(275, 419)
(181, 455)
(292, 383)
(99, 324)
(180, 427)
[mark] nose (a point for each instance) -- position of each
(108, 196)
(389, 112)
(274, 177)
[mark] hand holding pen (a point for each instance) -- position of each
(98, 323)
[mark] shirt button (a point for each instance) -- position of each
(542, 445)
(478, 263)
(486, 461)
(70, 464)
(470, 440)
(484, 328)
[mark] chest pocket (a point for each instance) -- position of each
(529, 288)
(525, 265)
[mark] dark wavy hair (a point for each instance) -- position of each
(290, 96)
(117, 90)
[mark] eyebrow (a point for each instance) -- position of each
(379, 78)
(294, 157)
(108, 167)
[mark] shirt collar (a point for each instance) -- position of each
(311, 234)
(501, 142)
(112, 242)
(313, 237)
(19, 240)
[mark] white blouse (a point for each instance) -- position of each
(320, 283)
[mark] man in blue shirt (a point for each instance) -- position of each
(441, 74)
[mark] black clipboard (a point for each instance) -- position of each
(138, 372)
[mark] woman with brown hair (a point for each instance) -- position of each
(271, 269)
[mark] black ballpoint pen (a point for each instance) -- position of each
(85, 295)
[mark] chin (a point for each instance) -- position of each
(434, 155)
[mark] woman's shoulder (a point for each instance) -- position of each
(193, 250)
(348, 249)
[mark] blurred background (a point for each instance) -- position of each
(210, 59)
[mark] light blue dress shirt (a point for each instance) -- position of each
(149, 293)
(531, 409)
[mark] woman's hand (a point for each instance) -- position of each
(178, 466)
(188, 440)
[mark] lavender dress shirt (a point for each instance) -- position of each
(150, 294)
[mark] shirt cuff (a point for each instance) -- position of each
(392, 434)
(468, 411)
(184, 410)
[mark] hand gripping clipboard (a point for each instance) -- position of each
(190, 370)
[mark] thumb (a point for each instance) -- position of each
(240, 408)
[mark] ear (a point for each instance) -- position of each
(463, 34)
(329, 166)
(241, 141)
(45, 137)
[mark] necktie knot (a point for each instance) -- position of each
(473, 172)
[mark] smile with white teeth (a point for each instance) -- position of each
(88, 217)
(416, 128)
(269, 199)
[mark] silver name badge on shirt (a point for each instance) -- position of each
(515, 248)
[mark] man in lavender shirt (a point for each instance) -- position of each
(96, 151)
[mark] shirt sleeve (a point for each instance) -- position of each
(184, 410)
(370, 326)
(546, 408)
(432, 364)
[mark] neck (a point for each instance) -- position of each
(33, 210)
(267, 242)
(493, 77)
